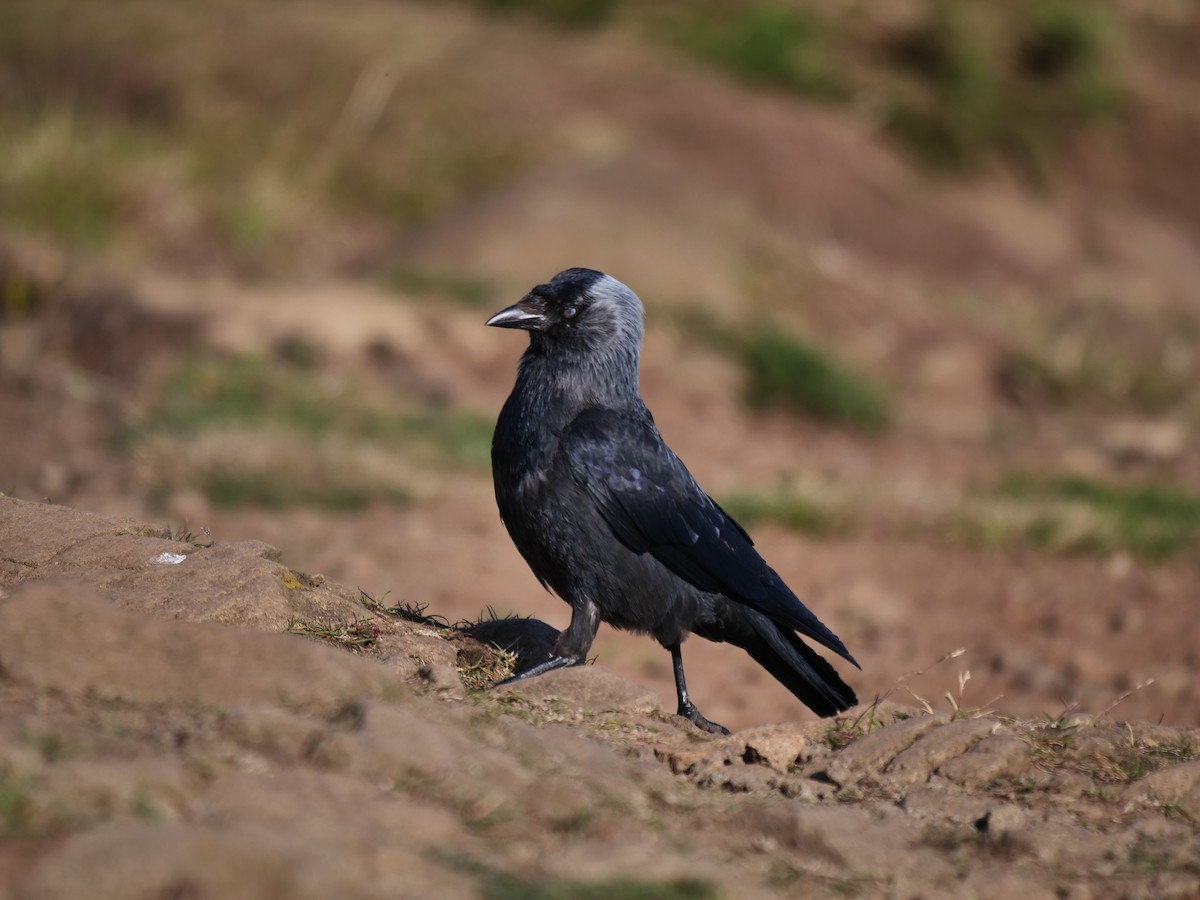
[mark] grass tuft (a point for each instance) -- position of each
(409, 612)
(279, 431)
(145, 122)
(16, 806)
(794, 512)
(358, 635)
(969, 81)
(480, 664)
(956, 83)
(1153, 522)
(786, 373)
(1102, 358)
(764, 44)
(572, 13)
(142, 127)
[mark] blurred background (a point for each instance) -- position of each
(922, 280)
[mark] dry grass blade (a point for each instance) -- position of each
(354, 635)
(1121, 699)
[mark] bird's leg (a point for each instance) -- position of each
(572, 645)
(686, 708)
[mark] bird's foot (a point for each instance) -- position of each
(693, 715)
(554, 662)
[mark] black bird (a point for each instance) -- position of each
(611, 520)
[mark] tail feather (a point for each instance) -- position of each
(793, 663)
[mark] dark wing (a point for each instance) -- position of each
(653, 505)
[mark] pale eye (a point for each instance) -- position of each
(569, 312)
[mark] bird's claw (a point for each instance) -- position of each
(549, 665)
(694, 716)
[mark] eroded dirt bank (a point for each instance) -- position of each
(160, 737)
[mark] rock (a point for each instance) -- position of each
(996, 756)
(870, 753)
(781, 747)
(33, 534)
(755, 759)
(915, 764)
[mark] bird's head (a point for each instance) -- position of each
(580, 309)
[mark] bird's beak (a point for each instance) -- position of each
(517, 317)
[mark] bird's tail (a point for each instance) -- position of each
(795, 665)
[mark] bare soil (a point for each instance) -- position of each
(159, 737)
(140, 743)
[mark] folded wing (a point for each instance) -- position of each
(653, 505)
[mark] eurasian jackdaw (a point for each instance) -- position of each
(611, 520)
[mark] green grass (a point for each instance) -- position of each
(48, 175)
(356, 635)
(257, 430)
(160, 126)
(15, 807)
(957, 83)
(1081, 516)
(1119, 761)
(208, 392)
(1151, 383)
(455, 436)
(794, 512)
(971, 80)
(1092, 352)
(165, 127)
(769, 44)
(572, 13)
(1153, 522)
(280, 489)
(786, 373)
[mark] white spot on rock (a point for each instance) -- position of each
(169, 559)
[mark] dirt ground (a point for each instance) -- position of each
(704, 195)
(1043, 633)
(1055, 755)
(160, 737)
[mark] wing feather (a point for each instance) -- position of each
(653, 505)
